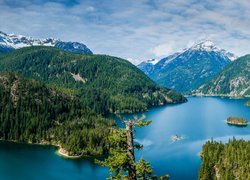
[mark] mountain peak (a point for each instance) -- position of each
(188, 69)
(9, 42)
(206, 45)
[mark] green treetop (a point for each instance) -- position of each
(121, 159)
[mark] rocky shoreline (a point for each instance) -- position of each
(64, 153)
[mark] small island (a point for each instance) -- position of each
(248, 103)
(237, 121)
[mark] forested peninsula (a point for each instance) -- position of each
(55, 97)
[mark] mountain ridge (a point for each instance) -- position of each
(91, 78)
(232, 81)
(186, 70)
(9, 42)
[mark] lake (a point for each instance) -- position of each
(198, 120)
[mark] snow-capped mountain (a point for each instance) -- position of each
(186, 70)
(74, 47)
(148, 66)
(9, 42)
(165, 61)
(208, 45)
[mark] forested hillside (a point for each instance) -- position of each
(103, 83)
(225, 161)
(32, 112)
(234, 80)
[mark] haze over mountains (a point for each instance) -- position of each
(9, 42)
(187, 70)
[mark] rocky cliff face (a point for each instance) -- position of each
(233, 81)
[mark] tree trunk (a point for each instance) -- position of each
(130, 150)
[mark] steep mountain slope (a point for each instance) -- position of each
(234, 80)
(103, 83)
(147, 66)
(187, 70)
(163, 62)
(32, 112)
(9, 42)
(5, 49)
(74, 47)
(225, 161)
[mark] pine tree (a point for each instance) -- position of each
(121, 161)
(143, 169)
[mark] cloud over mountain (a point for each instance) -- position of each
(132, 29)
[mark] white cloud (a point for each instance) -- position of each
(162, 50)
(134, 61)
(142, 29)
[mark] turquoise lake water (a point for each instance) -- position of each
(198, 120)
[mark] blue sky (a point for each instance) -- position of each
(132, 29)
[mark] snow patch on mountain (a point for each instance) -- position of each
(171, 58)
(186, 70)
(14, 41)
(185, 54)
(208, 45)
(19, 41)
